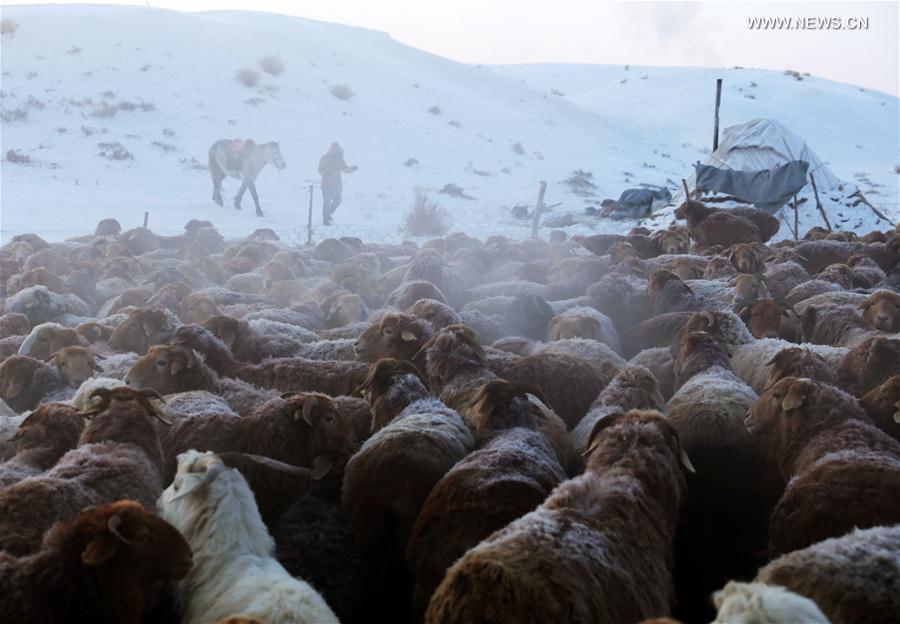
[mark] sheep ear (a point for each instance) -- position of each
(14, 386)
(321, 466)
(795, 396)
(99, 550)
(600, 425)
(309, 404)
(407, 335)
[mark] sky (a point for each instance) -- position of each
(709, 34)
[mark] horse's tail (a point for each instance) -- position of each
(214, 168)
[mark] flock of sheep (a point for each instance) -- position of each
(689, 423)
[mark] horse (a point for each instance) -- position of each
(242, 160)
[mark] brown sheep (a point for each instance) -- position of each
(673, 241)
(711, 227)
(816, 232)
(41, 439)
(718, 267)
(246, 344)
(14, 324)
(197, 307)
(667, 293)
(398, 336)
(782, 277)
(882, 404)
(564, 326)
(75, 365)
(866, 272)
(408, 293)
(93, 332)
(511, 473)
(606, 536)
(841, 472)
(687, 269)
(142, 329)
(799, 362)
(748, 258)
(331, 377)
(47, 338)
(383, 374)
(105, 565)
(27, 382)
(302, 430)
(344, 309)
(765, 318)
(853, 578)
(870, 363)
(839, 274)
(654, 332)
(882, 311)
(748, 287)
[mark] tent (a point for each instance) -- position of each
(762, 162)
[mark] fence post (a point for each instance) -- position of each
(538, 209)
(818, 203)
(309, 217)
(146, 218)
(718, 101)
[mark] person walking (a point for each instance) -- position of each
(331, 165)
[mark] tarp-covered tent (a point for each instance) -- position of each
(762, 162)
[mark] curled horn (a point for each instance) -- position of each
(208, 477)
(104, 394)
(235, 459)
(113, 524)
(150, 393)
(708, 316)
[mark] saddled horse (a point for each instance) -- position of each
(242, 160)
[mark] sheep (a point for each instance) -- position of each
(176, 368)
(882, 404)
(75, 364)
(215, 354)
(852, 578)
(708, 411)
(397, 336)
(302, 430)
(14, 324)
(235, 570)
(118, 455)
(799, 362)
(40, 304)
(388, 479)
(634, 387)
(747, 258)
(197, 307)
(808, 289)
(654, 332)
(528, 315)
(246, 344)
(717, 228)
(103, 566)
(869, 364)
(766, 604)
(345, 309)
(881, 311)
(840, 470)
(667, 293)
(331, 377)
(605, 535)
(865, 271)
(766, 318)
(142, 329)
(661, 364)
(41, 439)
(440, 315)
(782, 277)
(748, 287)
(839, 274)
(27, 382)
(584, 322)
(816, 255)
(695, 212)
(511, 473)
(47, 338)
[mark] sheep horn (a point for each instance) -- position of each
(687, 194)
(321, 466)
(113, 525)
(686, 462)
(709, 317)
(238, 460)
(208, 477)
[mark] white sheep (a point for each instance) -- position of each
(758, 603)
(235, 570)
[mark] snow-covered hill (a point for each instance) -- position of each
(79, 82)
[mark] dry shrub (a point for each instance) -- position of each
(17, 157)
(249, 77)
(114, 151)
(272, 65)
(7, 26)
(434, 110)
(518, 149)
(341, 91)
(426, 217)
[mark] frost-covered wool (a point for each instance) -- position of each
(27, 382)
(852, 578)
(82, 399)
(661, 364)
(117, 365)
(42, 438)
(331, 377)
(801, 362)
(235, 570)
(338, 349)
(765, 604)
(608, 333)
(783, 277)
(47, 338)
(605, 535)
(634, 387)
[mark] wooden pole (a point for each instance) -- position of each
(787, 223)
(796, 219)
(718, 101)
(146, 218)
(538, 209)
(687, 194)
(309, 217)
(818, 203)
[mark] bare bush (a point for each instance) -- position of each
(341, 91)
(165, 147)
(74, 50)
(518, 149)
(114, 151)
(192, 164)
(426, 217)
(249, 77)
(411, 162)
(272, 65)
(454, 123)
(434, 110)
(7, 26)
(454, 190)
(582, 183)
(15, 156)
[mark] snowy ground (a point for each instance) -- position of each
(163, 86)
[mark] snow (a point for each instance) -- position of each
(623, 125)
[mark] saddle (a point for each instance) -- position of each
(235, 152)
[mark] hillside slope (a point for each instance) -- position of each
(79, 82)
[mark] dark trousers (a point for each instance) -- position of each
(331, 199)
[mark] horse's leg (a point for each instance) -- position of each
(240, 194)
(252, 187)
(217, 176)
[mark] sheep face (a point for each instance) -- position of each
(779, 408)
(397, 336)
(75, 365)
(762, 317)
(140, 330)
(748, 287)
(675, 241)
(322, 427)
(94, 332)
(55, 423)
(346, 309)
(123, 538)
(390, 381)
(882, 311)
(883, 404)
(685, 269)
(871, 362)
(224, 328)
(196, 308)
(622, 251)
(718, 266)
(798, 362)
(16, 375)
(574, 326)
(47, 339)
(747, 258)
(168, 369)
